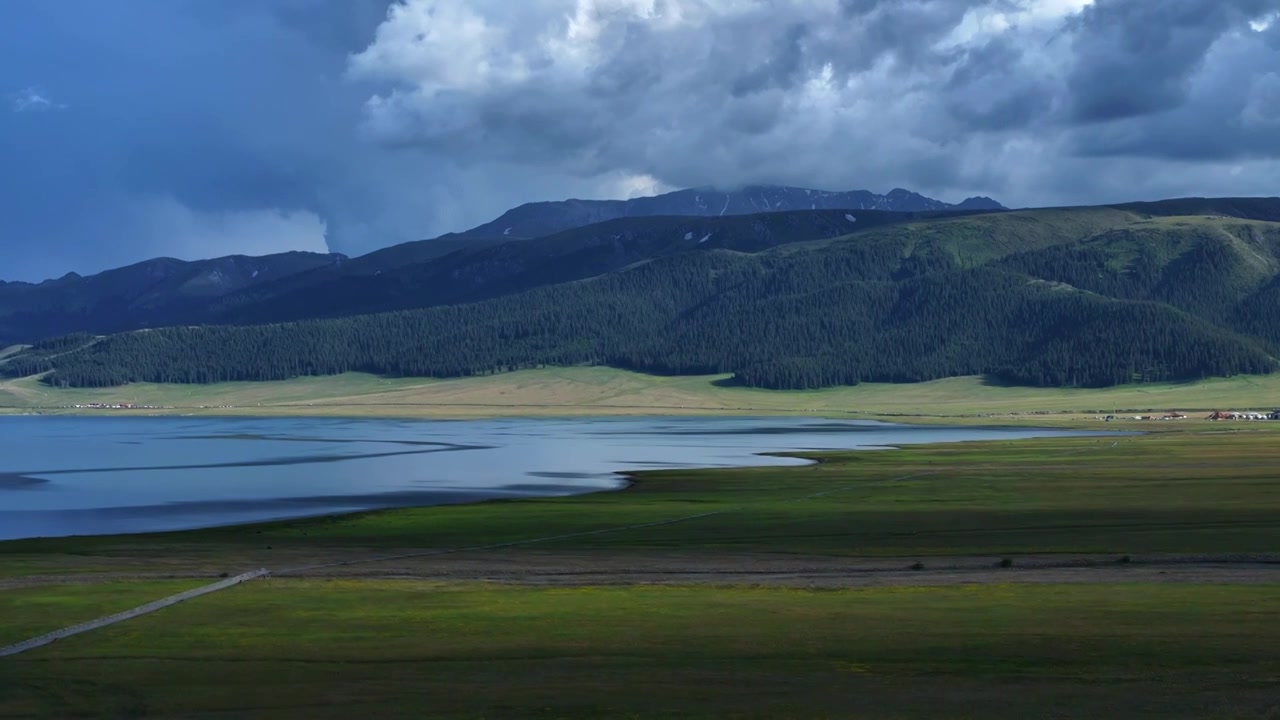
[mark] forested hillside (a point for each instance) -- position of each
(1070, 297)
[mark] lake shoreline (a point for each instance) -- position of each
(1023, 421)
(365, 465)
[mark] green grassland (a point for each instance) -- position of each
(340, 646)
(330, 649)
(606, 391)
(31, 611)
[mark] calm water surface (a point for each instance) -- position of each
(84, 476)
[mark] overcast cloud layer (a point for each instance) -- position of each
(207, 127)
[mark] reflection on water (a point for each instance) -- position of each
(71, 476)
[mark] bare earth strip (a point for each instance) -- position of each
(593, 569)
(568, 569)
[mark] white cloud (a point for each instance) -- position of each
(33, 100)
(984, 21)
(439, 45)
(627, 187)
(1044, 9)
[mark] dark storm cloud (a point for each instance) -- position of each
(1218, 99)
(989, 89)
(189, 129)
(777, 66)
(1137, 57)
(680, 96)
(1003, 96)
(907, 29)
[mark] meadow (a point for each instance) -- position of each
(539, 608)
(606, 391)
(331, 649)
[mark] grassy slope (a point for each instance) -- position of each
(413, 649)
(562, 391)
(975, 240)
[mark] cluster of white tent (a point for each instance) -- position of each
(1247, 415)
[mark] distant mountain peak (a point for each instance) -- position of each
(545, 218)
(69, 277)
(980, 202)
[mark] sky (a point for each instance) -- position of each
(199, 128)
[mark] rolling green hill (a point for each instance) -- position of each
(1061, 297)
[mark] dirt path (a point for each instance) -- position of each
(151, 607)
(580, 569)
(569, 569)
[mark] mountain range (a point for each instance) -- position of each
(239, 289)
(1091, 296)
(544, 218)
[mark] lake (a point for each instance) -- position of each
(89, 476)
